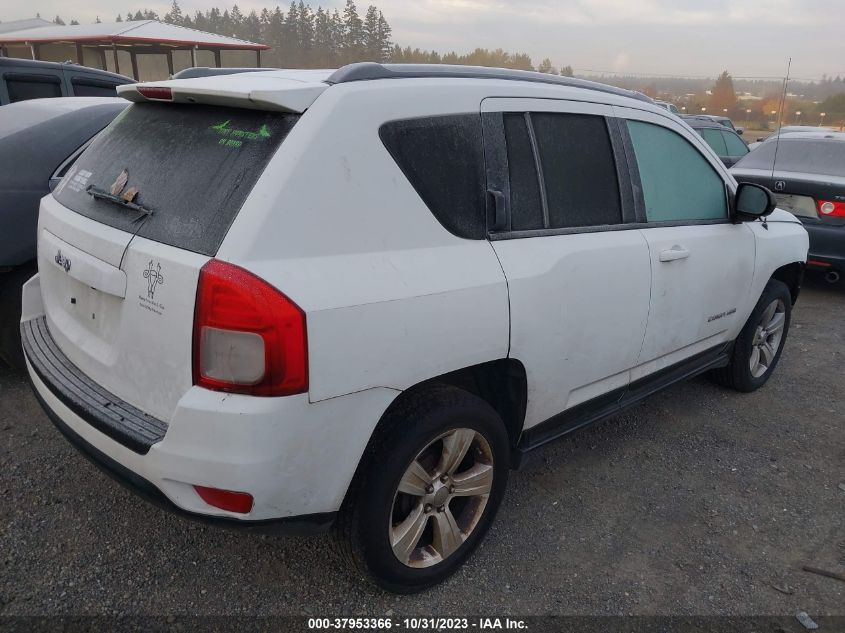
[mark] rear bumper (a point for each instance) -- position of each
(827, 247)
(294, 457)
(302, 525)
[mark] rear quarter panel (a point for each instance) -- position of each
(392, 298)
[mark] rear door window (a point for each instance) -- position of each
(193, 166)
(23, 87)
(716, 140)
(579, 171)
(734, 144)
(562, 171)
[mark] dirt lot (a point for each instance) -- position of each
(700, 501)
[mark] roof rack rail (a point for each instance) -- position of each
(367, 71)
(205, 71)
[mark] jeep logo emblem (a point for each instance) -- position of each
(62, 261)
(780, 185)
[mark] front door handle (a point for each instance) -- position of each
(676, 252)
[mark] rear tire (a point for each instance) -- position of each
(11, 284)
(428, 490)
(759, 345)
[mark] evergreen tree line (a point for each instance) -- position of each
(302, 37)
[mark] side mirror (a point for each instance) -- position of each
(740, 130)
(753, 201)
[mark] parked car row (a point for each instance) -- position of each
(24, 79)
(39, 141)
(723, 139)
(806, 170)
(306, 300)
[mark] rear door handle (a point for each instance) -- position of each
(676, 252)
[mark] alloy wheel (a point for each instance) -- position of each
(441, 498)
(767, 338)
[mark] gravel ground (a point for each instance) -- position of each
(699, 501)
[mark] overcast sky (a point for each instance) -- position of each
(683, 37)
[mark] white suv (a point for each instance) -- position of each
(305, 299)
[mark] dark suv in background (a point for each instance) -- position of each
(39, 141)
(723, 139)
(23, 79)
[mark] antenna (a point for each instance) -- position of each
(780, 115)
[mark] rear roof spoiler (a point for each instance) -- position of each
(255, 90)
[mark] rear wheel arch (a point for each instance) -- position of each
(500, 383)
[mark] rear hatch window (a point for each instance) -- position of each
(825, 157)
(193, 166)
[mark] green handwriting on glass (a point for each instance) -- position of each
(233, 137)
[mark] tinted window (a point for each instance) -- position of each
(24, 87)
(93, 88)
(678, 183)
(810, 156)
(714, 139)
(194, 166)
(735, 145)
(526, 205)
(443, 159)
(579, 170)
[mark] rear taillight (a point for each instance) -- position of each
(157, 93)
(830, 209)
(248, 337)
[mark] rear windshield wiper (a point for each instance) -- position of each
(99, 194)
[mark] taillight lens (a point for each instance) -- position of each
(157, 93)
(830, 208)
(248, 337)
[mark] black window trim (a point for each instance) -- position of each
(96, 82)
(496, 158)
(33, 78)
(636, 182)
(538, 165)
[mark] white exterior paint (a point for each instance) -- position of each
(391, 298)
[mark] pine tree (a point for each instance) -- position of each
(306, 34)
(174, 16)
(290, 40)
(59, 21)
(118, 18)
(322, 39)
(338, 30)
(353, 45)
(384, 33)
(276, 30)
(372, 45)
(546, 67)
(237, 22)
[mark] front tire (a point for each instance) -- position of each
(429, 490)
(759, 345)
